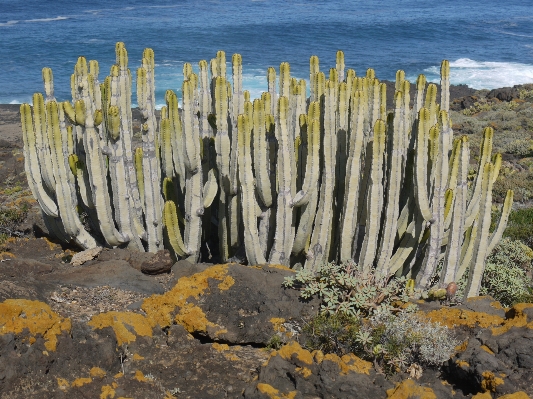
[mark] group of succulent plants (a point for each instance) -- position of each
(285, 179)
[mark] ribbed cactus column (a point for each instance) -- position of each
(321, 237)
(374, 198)
(96, 160)
(284, 236)
(151, 169)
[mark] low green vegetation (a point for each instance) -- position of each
(370, 317)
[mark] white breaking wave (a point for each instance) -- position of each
(484, 75)
(11, 23)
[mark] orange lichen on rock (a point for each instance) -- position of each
(515, 318)
(97, 372)
(482, 395)
(306, 372)
(63, 384)
(37, 317)
(277, 324)
(487, 349)
(408, 389)
(119, 322)
(160, 308)
(318, 356)
(220, 347)
(350, 362)
(193, 318)
(273, 393)
(79, 382)
(462, 347)
(294, 348)
(136, 356)
(107, 392)
(462, 364)
(139, 376)
(460, 317)
(226, 283)
(490, 381)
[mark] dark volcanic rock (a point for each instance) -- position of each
(113, 273)
(505, 93)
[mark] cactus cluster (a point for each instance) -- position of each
(282, 179)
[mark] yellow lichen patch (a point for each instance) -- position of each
(107, 392)
(19, 314)
(226, 283)
(118, 375)
(294, 348)
(159, 308)
(459, 317)
(516, 395)
(350, 362)
(139, 376)
(193, 318)
(496, 305)
(515, 318)
(97, 372)
(168, 395)
(62, 384)
(462, 347)
(490, 381)
(232, 357)
(408, 389)
(6, 254)
(304, 371)
(462, 364)
(318, 356)
(136, 356)
(119, 321)
(282, 268)
(487, 349)
(277, 324)
(273, 393)
(220, 347)
(482, 395)
(79, 382)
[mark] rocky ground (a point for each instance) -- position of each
(120, 324)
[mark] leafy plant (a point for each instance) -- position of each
(345, 288)
(520, 226)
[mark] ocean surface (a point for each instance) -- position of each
(489, 43)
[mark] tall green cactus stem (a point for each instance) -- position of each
(485, 156)
(150, 164)
(439, 177)
(66, 199)
(395, 153)
(284, 236)
(340, 65)
(95, 159)
(176, 132)
(321, 236)
(48, 79)
(477, 264)
(261, 154)
(314, 68)
(271, 81)
(452, 257)
(254, 252)
(41, 142)
(124, 211)
(32, 167)
(353, 173)
(497, 234)
(172, 228)
(194, 208)
(307, 198)
(223, 148)
(126, 121)
(374, 196)
(445, 86)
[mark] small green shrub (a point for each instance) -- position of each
(10, 219)
(507, 275)
(346, 288)
(522, 147)
(521, 182)
(391, 341)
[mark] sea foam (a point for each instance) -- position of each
(484, 74)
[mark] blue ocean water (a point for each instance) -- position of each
(489, 43)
